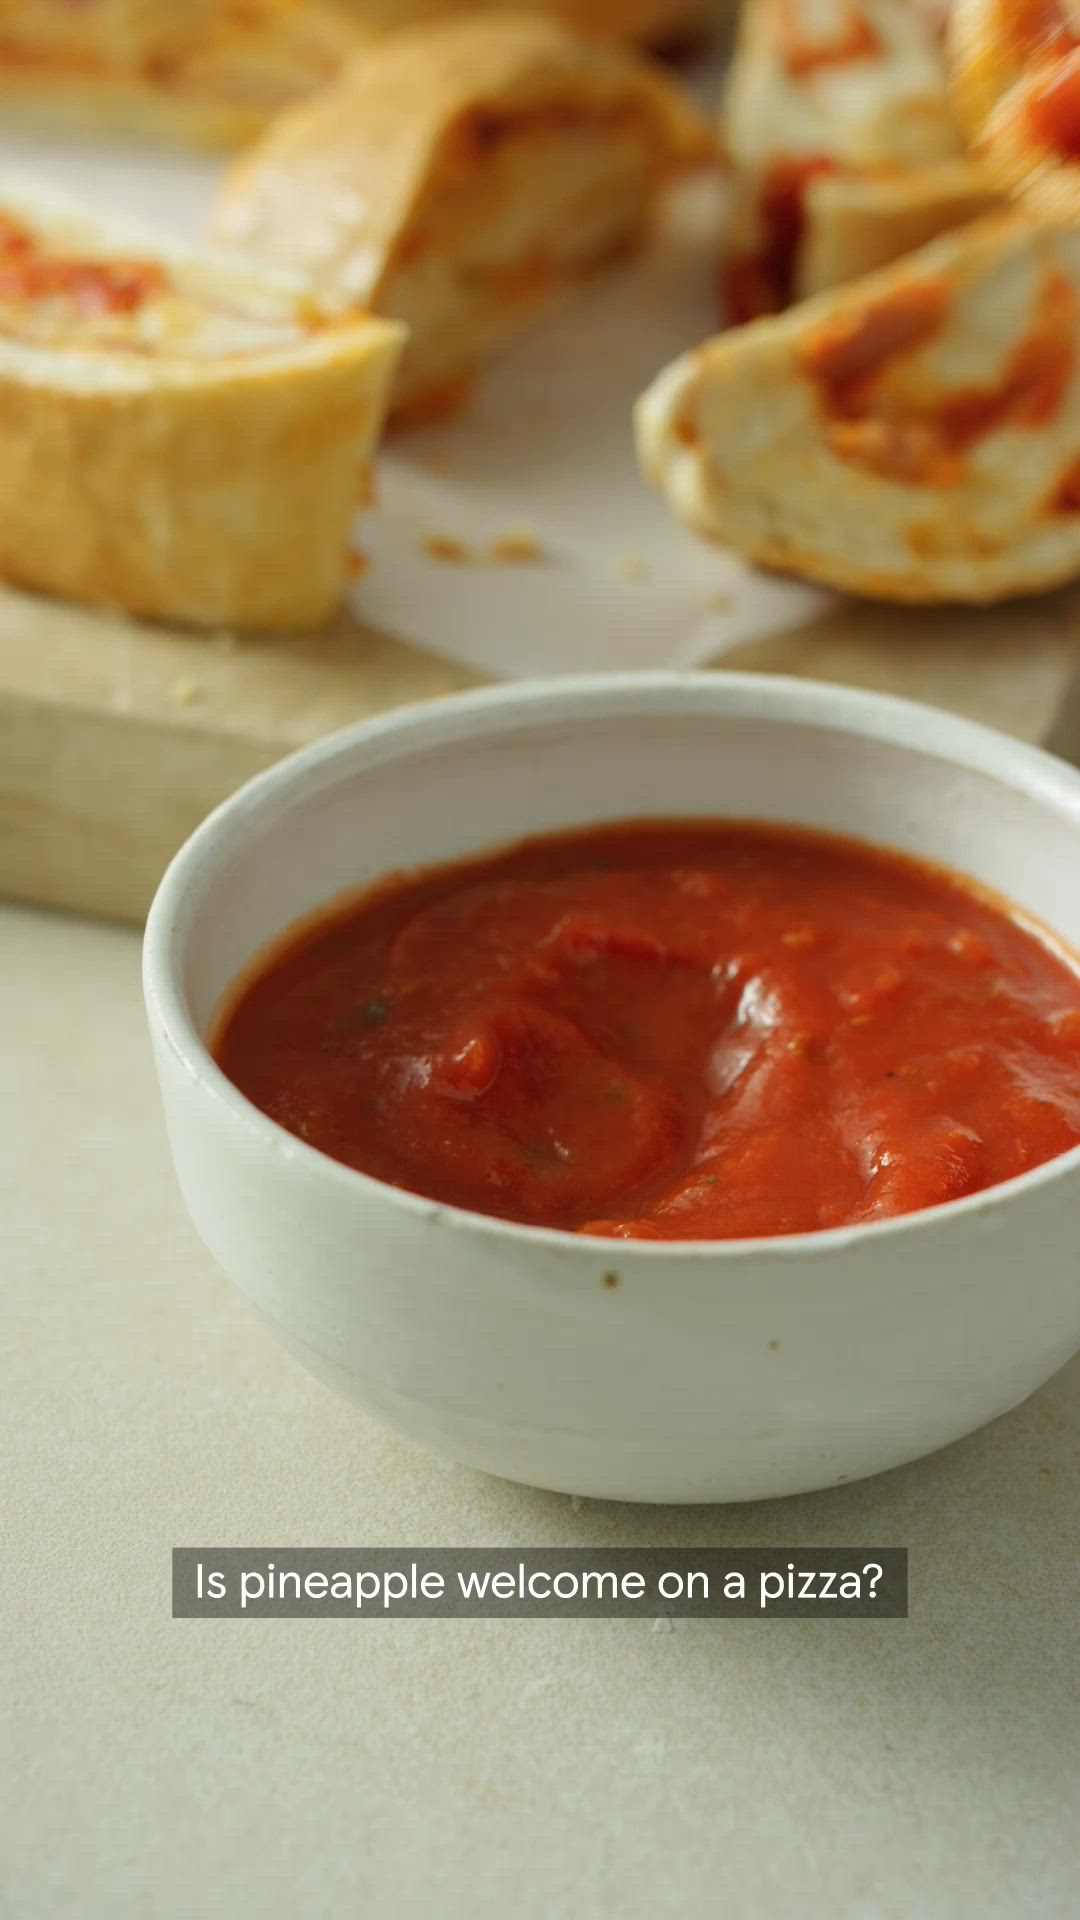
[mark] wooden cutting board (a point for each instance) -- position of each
(116, 739)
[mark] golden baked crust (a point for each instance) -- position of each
(914, 437)
(459, 176)
(844, 146)
(651, 21)
(209, 72)
(185, 437)
(1015, 68)
(795, 232)
(859, 222)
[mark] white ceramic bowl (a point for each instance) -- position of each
(711, 1370)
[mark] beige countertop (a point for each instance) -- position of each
(550, 1770)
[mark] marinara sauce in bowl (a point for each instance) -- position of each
(648, 1087)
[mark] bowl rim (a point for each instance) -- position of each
(480, 712)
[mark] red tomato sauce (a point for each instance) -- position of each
(1043, 45)
(670, 1031)
(763, 281)
(1036, 28)
(924, 442)
(29, 272)
(1053, 107)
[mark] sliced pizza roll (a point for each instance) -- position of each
(209, 72)
(184, 435)
(858, 222)
(860, 82)
(459, 177)
(1016, 84)
(805, 226)
(844, 147)
(915, 437)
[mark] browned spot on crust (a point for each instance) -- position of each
(934, 540)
